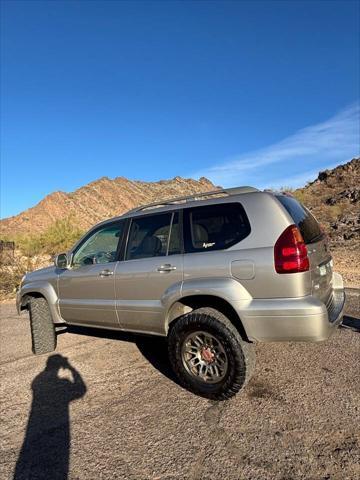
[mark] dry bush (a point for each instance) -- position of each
(11, 275)
(35, 251)
(58, 238)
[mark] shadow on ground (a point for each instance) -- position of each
(153, 348)
(352, 323)
(45, 451)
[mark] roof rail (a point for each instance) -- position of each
(196, 196)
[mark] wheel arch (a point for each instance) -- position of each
(37, 290)
(189, 303)
(25, 299)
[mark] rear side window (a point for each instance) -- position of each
(304, 220)
(148, 236)
(215, 227)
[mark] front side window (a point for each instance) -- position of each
(215, 227)
(100, 247)
(149, 236)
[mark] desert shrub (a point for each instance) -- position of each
(33, 252)
(59, 237)
(11, 275)
(335, 211)
(299, 195)
(29, 245)
(285, 189)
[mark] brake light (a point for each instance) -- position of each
(290, 252)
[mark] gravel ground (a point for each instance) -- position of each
(117, 413)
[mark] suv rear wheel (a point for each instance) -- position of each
(43, 334)
(208, 355)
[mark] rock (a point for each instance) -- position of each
(323, 175)
(351, 194)
(346, 227)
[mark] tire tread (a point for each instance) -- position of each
(43, 334)
(214, 320)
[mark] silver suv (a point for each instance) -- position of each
(213, 273)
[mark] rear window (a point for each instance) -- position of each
(215, 227)
(305, 221)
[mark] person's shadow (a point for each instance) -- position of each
(46, 448)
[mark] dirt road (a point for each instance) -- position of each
(113, 411)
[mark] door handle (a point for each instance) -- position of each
(166, 268)
(106, 273)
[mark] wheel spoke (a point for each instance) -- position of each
(220, 360)
(216, 370)
(209, 341)
(193, 350)
(202, 369)
(204, 357)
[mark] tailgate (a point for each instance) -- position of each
(321, 269)
(316, 243)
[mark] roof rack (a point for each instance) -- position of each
(196, 196)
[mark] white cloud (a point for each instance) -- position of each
(294, 181)
(312, 148)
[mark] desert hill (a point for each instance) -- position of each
(334, 198)
(41, 231)
(96, 201)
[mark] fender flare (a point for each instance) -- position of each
(227, 289)
(47, 291)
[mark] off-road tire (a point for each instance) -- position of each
(240, 354)
(43, 334)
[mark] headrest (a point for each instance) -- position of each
(150, 246)
(200, 235)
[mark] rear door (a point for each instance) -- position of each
(316, 242)
(153, 266)
(209, 233)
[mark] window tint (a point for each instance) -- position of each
(175, 238)
(215, 227)
(148, 236)
(307, 224)
(100, 247)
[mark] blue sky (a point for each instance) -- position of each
(262, 93)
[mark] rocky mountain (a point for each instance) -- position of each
(334, 198)
(96, 201)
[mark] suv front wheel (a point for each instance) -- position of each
(43, 334)
(208, 355)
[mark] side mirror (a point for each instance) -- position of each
(61, 261)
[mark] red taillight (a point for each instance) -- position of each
(290, 252)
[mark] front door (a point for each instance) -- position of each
(151, 271)
(86, 289)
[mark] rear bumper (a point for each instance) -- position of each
(304, 319)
